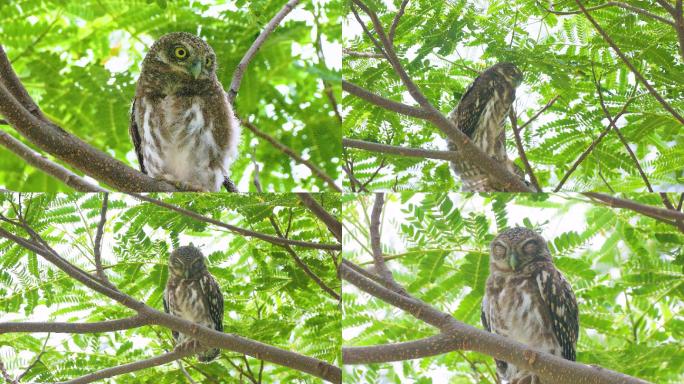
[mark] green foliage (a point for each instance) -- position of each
(441, 43)
(627, 272)
(267, 297)
(80, 59)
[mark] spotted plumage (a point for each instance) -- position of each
(182, 126)
(528, 300)
(481, 114)
(193, 294)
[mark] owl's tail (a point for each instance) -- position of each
(208, 355)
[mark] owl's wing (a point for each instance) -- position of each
(472, 105)
(562, 305)
(135, 137)
(501, 365)
(166, 309)
(211, 292)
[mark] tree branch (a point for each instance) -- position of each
(376, 246)
(457, 335)
(638, 10)
(132, 367)
(334, 225)
(206, 336)
(631, 67)
(56, 327)
(252, 51)
(521, 150)
(97, 251)
(469, 150)
(302, 265)
(294, 155)
(245, 232)
(539, 112)
(51, 168)
(593, 144)
(401, 151)
(365, 55)
(395, 22)
(24, 116)
(616, 202)
(382, 102)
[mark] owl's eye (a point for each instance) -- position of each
(499, 251)
(531, 247)
(180, 52)
(207, 62)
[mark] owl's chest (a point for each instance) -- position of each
(516, 310)
(187, 301)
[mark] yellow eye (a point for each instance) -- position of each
(208, 62)
(180, 52)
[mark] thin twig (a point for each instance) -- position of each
(36, 360)
(539, 112)
(376, 246)
(401, 151)
(364, 55)
(294, 155)
(252, 51)
(395, 22)
(521, 150)
(614, 4)
(245, 232)
(629, 64)
(98, 240)
(185, 372)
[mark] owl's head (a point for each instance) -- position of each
(510, 72)
(182, 54)
(187, 262)
(516, 247)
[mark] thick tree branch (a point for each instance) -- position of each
(382, 102)
(245, 232)
(469, 150)
(252, 51)
(629, 64)
(459, 336)
(294, 155)
(51, 168)
(334, 225)
(56, 327)
(206, 336)
(70, 149)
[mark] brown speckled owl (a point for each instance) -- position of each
(481, 114)
(528, 300)
(182, 125)
(193, 294)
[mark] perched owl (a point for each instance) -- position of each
(182, 125)
(528, 300)
(481, 115)
(193, 294)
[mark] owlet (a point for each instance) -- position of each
(182, 125)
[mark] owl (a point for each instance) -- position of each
(182, 125)
(528, 300)
(193, 294)
(481, 115)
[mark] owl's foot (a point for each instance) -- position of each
(188, 345)
(182, 185)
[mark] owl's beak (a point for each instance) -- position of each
(513, 261)
(196, 68)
